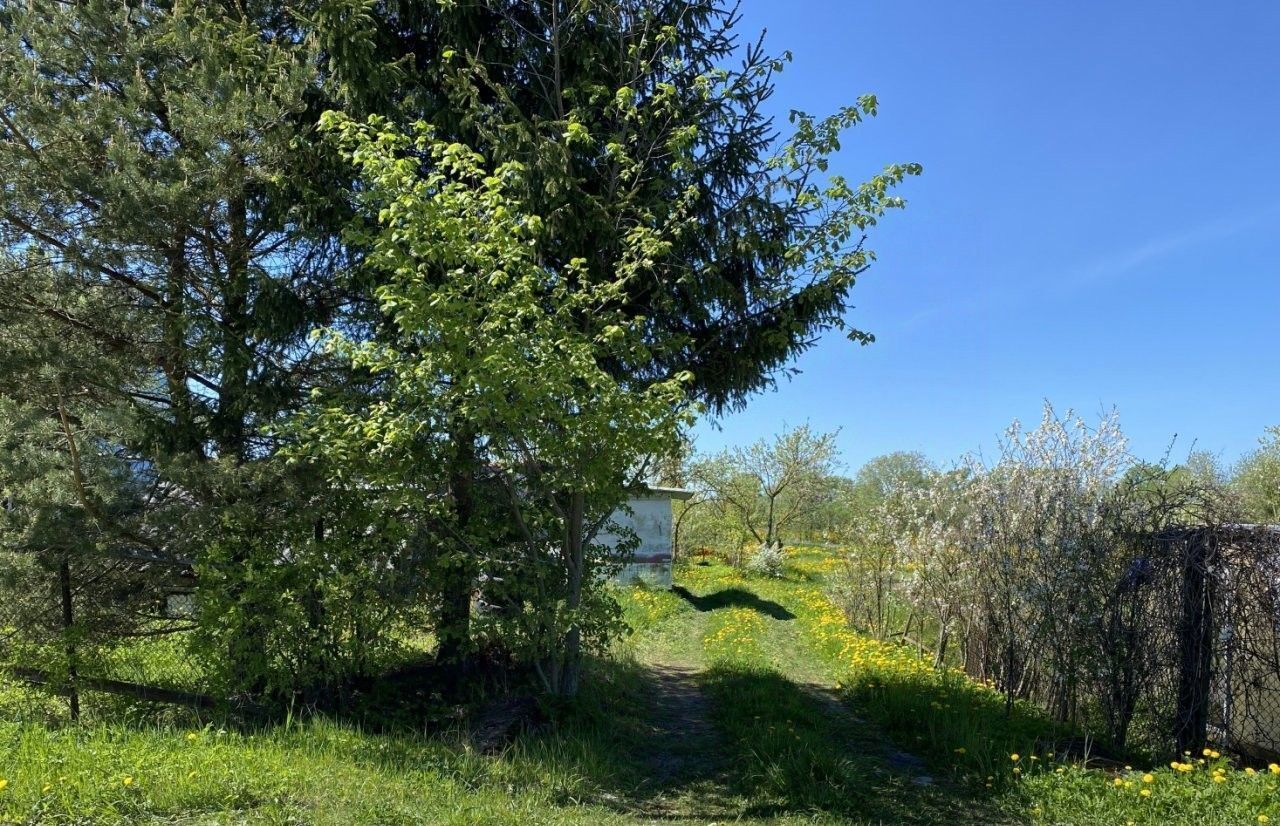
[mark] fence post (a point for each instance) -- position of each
(1195, 640)
(68, 620)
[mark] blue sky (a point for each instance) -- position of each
(1098, 223)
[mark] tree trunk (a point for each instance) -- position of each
(571, 656)
(770, 529)
(458, 578)
(230, 423)
(183, 440)
(675, 533)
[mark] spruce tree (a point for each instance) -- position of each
(621, 111)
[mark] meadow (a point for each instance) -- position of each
(736, 698)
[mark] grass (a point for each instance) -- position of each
(313, 773)
(736, 699)
(321, 771)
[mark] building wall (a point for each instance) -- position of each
(651, 520)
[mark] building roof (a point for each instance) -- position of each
(664, 492)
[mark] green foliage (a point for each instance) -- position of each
(487, 337)
(328, 594)
(1257, 480)
(597, 226)
(163, 264)
(770, 486)
(626, 113)
(69, 497)
(885, 478)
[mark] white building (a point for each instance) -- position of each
(651, 518)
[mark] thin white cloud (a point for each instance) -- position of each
(1124, 261)
(1111, 266)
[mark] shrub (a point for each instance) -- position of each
(767, 561)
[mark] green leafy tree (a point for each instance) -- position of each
(1257, 480)
(887, 476)
(160, 158)
(772, 485)
(490, 338)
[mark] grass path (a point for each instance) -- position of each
(897, 741)
(752, 686)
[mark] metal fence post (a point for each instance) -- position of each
(1195, 641)
(68, 620)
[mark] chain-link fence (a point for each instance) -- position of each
(1197, 636)
(96, 635)
(1245, 679)
(1179, 647)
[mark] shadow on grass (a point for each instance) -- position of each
(733, 598)
(646, 743)
(725, 744)
(795, 749)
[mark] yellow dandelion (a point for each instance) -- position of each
(128, 780)
(1145, 793)
(4, 784)
(1263, 819)
(1274, 768)
(1014, 757)
(1148, 778)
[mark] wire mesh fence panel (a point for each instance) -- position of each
(1181, 645)
(1246, 677)
(1214, 633)
(87, 634)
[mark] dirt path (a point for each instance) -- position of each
(687, 769)
(683, 724)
